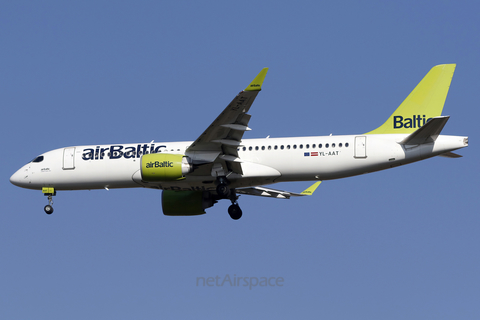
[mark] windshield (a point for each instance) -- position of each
(38, 159)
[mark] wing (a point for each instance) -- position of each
(219, 142)
(267, 192)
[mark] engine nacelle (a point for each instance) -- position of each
(156, 167)
(186, 203)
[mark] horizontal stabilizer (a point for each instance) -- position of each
(426, 133)
(450, 155)
(279, 194)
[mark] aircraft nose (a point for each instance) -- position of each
(20, 178)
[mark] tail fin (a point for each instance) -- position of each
(422, 104)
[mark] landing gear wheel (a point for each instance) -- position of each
(235, 212)
(48, 209)
(223, 190)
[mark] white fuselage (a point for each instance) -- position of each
(263, 161)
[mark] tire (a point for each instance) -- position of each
(235, 212)
(48, 209)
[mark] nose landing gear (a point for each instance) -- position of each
(49, 192)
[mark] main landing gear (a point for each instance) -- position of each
(49, 192)
(234, 211)
(224, 192)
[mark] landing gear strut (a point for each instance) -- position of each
(49, 192)
(224, 192)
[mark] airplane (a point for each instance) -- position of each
(220, 164)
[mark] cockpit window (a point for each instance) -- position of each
(38, 159)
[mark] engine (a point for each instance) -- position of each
(186, 203)
(156, 167)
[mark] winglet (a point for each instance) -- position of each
(256, 84)
(310, 190)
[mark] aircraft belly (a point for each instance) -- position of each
(209, 185)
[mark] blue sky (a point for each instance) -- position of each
(397, 244)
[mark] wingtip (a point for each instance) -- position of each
(310, 190)
(446, 66)
(256, 84)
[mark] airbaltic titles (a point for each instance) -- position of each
(415, 122)
(119, 151)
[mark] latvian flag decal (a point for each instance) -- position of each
(310, 154)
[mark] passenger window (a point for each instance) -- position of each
(320, 145)
(294, 146)
(346, 144)
(250, 148)
(269, 147)
(282, 147)
(301, 146)
(333, 145)
(307, 146)
(276, 147)
(340, 144)
(313, 146)
(256, 148)
(326, 145)
(288, 146)
(263, 147)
